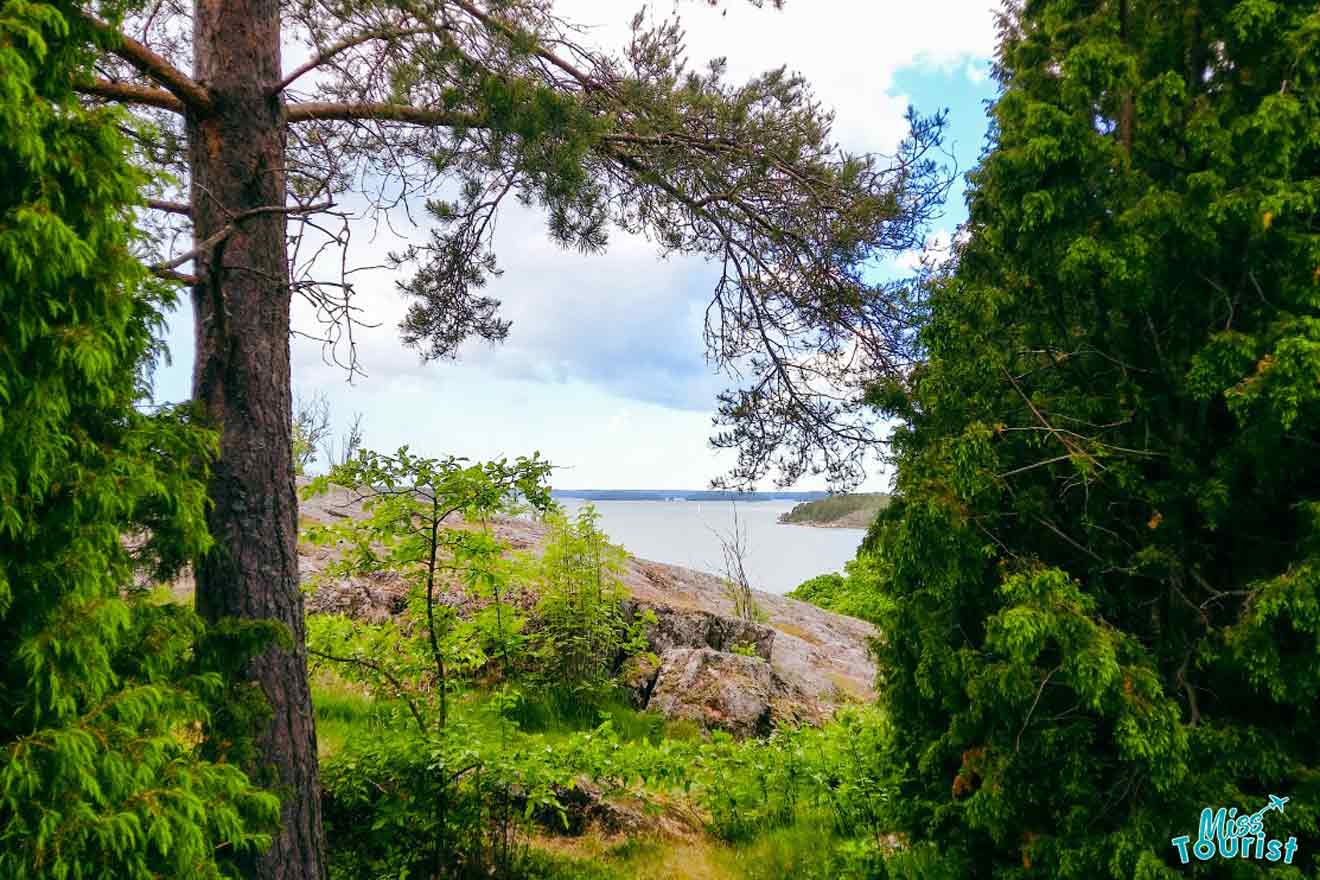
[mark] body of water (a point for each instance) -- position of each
(778, 557)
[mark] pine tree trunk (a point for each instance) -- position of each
(236, 153)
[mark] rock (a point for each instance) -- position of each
(637, 677)
(628, 819)
(579, 802)
(823, 654)
(789, 704)
(730, 632)
(610, 813)
(373, 598)
(695, 628)
(719, 691)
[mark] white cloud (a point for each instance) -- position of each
(938, 246)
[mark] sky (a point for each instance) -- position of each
(604, 371)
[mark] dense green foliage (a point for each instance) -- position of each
(106, 768)
(428, 521)
(852, 593)
(531, 735)
(439, 782)
(803, 803)
(855, 510)
(582, 626)
(422, 793)
(1102, 598)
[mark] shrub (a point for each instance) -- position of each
(856, 593)
(583, 632)
(445, 804)
(1103, 611)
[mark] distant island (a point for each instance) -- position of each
(683, 495)
(838, 511)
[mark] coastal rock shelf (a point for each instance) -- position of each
(800, 663)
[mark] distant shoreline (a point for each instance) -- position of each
(825, 525)
(682, 495)
(837, 511)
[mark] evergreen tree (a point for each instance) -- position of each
(106, 770)
(1101, 577)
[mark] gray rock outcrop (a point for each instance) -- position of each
(719, 691)
(696, 628)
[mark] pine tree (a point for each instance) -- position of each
(106, 769)
(1101, 578)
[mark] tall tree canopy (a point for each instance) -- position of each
(463, 104)
(96, 688)
(1102, 573)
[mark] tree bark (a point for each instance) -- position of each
(241, 378)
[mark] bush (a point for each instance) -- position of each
(856, 594)
(456, 803)
(752, 787)
(582, 632)
(1103, 611)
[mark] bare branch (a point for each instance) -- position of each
(325, 55)
(154, 66)
(206, 245)
(321, 110)
(129, 93)
(170, 207)
(229, 228)
(384, 673)
(171, 275)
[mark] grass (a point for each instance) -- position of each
(805, 850)
(344, 710)
(802, 851)
(555, 713)
(639, 858)
(683, 730)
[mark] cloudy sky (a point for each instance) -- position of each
(604, 370)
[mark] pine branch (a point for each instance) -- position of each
(153, 66)
(588, 82)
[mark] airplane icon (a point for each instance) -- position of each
(1276, 803)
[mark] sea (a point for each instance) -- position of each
(684, 528)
